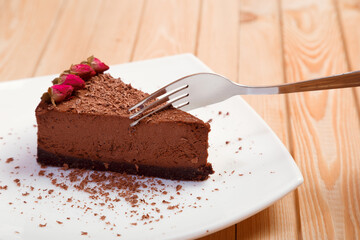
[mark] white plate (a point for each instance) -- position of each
(248, 181)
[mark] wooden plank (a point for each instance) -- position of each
(70, 40)
(25, 29)
(349, 13)
(115, 30)
(217, 46)
(273, 222)
(324, 124)
(260, 63)
(167, 28)
(227, 233)
(107, 30)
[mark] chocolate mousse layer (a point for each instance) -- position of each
(91, 130)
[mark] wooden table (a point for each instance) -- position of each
(250, 41)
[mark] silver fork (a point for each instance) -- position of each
(201, 89)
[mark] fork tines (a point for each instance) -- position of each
(145, 105)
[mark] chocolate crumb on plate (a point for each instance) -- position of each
(172, 207)
(17, 181)
(65, 166)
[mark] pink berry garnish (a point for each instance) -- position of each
(58, 93)
(82, 70)
(70, 79)
(97, 65)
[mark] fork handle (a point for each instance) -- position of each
(345, 80)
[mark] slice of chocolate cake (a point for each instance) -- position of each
(91, 129)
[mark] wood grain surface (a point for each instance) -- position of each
(253, 42)
(23, 41)
(349, 15)
(324, 124)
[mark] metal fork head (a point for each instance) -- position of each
(187, 93)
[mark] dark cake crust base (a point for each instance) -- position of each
(195, 174)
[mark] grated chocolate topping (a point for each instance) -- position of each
(105, 95)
